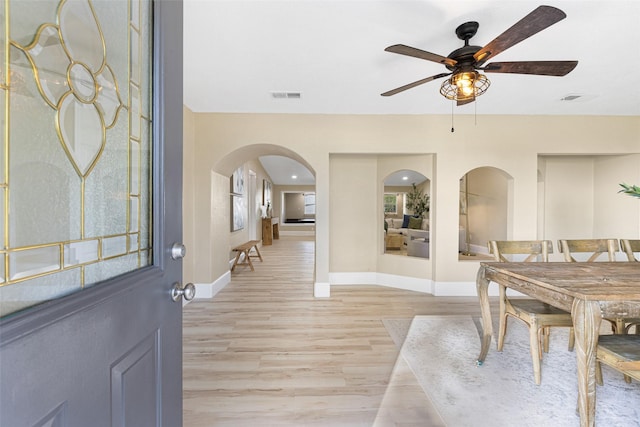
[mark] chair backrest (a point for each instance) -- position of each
(533, 249)
(595, 247)
(629, 247)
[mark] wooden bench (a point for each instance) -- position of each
(245, 249)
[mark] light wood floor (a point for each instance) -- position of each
(264, 351)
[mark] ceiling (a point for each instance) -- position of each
(404, 178)
(282, 171)
(238, 53)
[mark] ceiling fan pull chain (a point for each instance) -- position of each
(452, 129)
(475, 113)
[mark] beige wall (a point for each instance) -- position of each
(188, 197)
(353, 213)
(351, 155)
(239, 237)
(581, 199)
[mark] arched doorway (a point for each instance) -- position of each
(214, 234)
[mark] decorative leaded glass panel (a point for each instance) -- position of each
(76, 118)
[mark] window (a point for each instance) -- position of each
(310, 204)
(390, 203)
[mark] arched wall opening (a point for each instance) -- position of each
(268, 196)
(214, 254)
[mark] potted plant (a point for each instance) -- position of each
(631, 190)
(417, 202)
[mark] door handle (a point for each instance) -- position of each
(187, 292)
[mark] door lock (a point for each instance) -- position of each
(178, 251)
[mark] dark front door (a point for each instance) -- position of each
(90, 199)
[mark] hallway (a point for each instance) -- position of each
(264, 351)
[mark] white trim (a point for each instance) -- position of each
(459, 289)
(390, 280)
(209, 290)
(321, 290)
(297, 233)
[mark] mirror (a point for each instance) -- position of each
(406, 207)
(484, 200)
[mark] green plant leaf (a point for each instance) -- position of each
(417, 202)
(631, 190)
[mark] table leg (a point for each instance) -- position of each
(482, 285)
(586, 325)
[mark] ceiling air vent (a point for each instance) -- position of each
(570, 97)
(286, 95)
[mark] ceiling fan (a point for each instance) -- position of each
(466, 82)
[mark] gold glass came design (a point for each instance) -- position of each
(75, 171)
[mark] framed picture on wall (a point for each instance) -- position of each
(237, 213)
(237, 181)
(266, 192)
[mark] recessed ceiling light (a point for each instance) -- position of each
(294, 176)
(404, 178)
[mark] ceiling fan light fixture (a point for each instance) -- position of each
(464, 85)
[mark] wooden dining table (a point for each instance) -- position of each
(590, 291)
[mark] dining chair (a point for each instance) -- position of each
(538, 316)
(630, 248)
(595, 249)
(621, 352)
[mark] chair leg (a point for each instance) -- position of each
(545, 339)
(599, 373)
(621, 330)
(536, 352)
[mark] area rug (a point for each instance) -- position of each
(442, 350)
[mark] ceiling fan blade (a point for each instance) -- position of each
(422, 54)
(414, 84)
(542, 17)
(543, 68)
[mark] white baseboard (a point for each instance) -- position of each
(460, 289)
(209, 290)
(297, 233)
(390, 280)
(321, 290)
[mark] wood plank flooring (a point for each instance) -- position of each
(265, 352)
